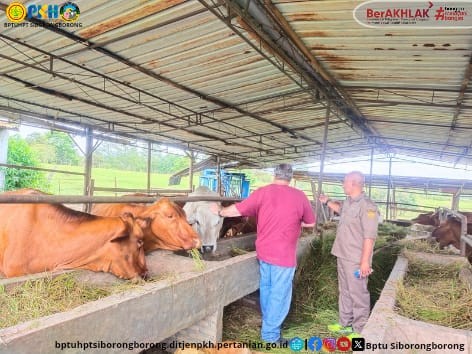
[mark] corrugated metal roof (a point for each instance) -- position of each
(194, 75)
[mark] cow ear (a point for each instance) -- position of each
(127, 218)
(120, 238)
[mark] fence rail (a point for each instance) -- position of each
(40, 169)
(156, 191)
(75, 199)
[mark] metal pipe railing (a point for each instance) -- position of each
(74, 199)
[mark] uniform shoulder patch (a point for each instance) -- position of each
(371, 213)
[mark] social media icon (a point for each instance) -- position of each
(329, 344)
(343, 344)
(296, 344)
(315, 344)
(358, 344)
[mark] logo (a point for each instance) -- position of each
(43, 12)
(296, 344)
(315, 344)
(343, 344)
(329, 344)
(358, 344)
(16, 12)
(417, 14)
(70, 12)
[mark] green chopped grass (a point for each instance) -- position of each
(448, 302)
(43, 297)
(197, 259)
(315, 295)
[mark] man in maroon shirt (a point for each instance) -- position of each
(281, 211)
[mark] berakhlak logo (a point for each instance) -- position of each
(358, 344)
(70, 12)
(414, 13)
(296, 344)
(16, 12)
(329, 344)
(343, 344)
(315, 344)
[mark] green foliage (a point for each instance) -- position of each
(54, 147)
(20, 153)
(131, 158)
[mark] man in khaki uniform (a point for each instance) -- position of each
(353, 246)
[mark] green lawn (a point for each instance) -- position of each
(73, 184)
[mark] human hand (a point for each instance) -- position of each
(365, 270)
(323, 198)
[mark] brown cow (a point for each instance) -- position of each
(449, 233)
(427, 219)
(238, 225)
(168, 228)
(45, 237)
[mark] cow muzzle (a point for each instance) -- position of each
(207, 249)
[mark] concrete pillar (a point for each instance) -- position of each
(209, 329)
(3, 155)
(455, 200)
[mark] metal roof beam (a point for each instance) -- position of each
(419, 124)
(160, 77)
(274, 35)
(138, 91)
(182, 144)
(460, 99)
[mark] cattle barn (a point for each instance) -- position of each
(247, 83)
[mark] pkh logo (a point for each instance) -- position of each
(43, 12)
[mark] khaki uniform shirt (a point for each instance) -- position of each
(359, 220)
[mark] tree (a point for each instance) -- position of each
(20, 153)
(54, 147)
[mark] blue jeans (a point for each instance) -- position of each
(275, 297)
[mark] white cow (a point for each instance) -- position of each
(203, 220)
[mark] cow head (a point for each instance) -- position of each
(427, 219)
(169, 228)
(205, 223)
(447, 234)
(126, 252)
